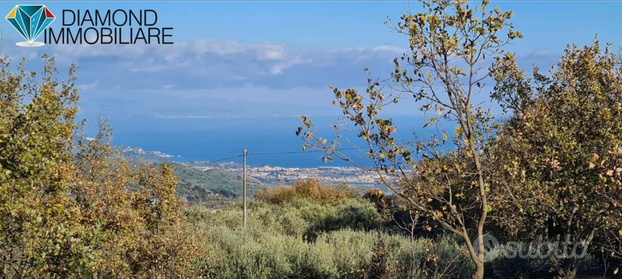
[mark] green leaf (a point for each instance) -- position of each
(488, 208)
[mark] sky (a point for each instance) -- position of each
(276, 59)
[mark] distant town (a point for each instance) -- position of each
(352, 176)
(274, 175)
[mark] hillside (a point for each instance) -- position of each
(196, 185)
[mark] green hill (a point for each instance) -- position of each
(196, 185)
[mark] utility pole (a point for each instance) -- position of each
(244, 186)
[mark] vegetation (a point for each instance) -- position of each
(305, 238)
(551, 170)
(195, 186)
(448, 45)
(307, 189)
(338, 254)
(559, 154)
(65, 203)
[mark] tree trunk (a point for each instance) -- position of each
(479, 270)
(475, 258)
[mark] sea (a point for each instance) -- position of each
(269, 140)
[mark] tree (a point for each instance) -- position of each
(74, 208)
(39, 233)
(558, 157)
(449, 45)
(132, 213)
(103, 196)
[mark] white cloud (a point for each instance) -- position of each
(209, 63)
(86, 50)
(225, 48)
(271, 52)
(253, 58)
(278, 68)
(203, 46)
(389, 48)
(88, 86)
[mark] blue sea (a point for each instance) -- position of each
(213, 139)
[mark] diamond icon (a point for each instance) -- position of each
(30, 21)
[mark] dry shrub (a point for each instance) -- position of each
(311, 189)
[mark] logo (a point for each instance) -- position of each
(542, 248)
(30, 21)
(491, 247)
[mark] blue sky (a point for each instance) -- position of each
(256, 59)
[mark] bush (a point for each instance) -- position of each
(71, 207)
(299, 218)
(256, 254)
(352, 214)
(339, 254)
(310, 189)
(302, 238)
(381, 255)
